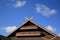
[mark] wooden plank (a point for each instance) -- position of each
(32, 33)
(29, 27)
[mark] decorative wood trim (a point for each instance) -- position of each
(28, 27)
(32, 33)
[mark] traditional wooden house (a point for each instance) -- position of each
(32, 31)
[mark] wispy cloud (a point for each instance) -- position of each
(52, 29)
(44, 10)
(16, 3)
(19, 4)
(8, 29)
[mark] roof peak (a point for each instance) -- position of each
(29, 18)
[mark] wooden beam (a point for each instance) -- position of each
(29, 27)
(32, 33)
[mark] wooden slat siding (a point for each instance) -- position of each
(28, 27)
(56, 38)
(53, 38)
(44, 38)
(48, 37)
(27, 38)
(33, 33)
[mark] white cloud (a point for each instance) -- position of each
(19, 3)
(44, 10)
(8, 29)
(52, 29)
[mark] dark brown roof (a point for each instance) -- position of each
(15, 38)
(35, 24)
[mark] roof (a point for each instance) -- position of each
(35, 24)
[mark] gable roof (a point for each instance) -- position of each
(35, 24)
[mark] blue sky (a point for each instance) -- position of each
(45, 12)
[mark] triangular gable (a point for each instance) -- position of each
(33, 27)
(17, 28)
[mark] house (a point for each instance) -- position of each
(32, 31)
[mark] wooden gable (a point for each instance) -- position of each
(28, 25)
(31, 29)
